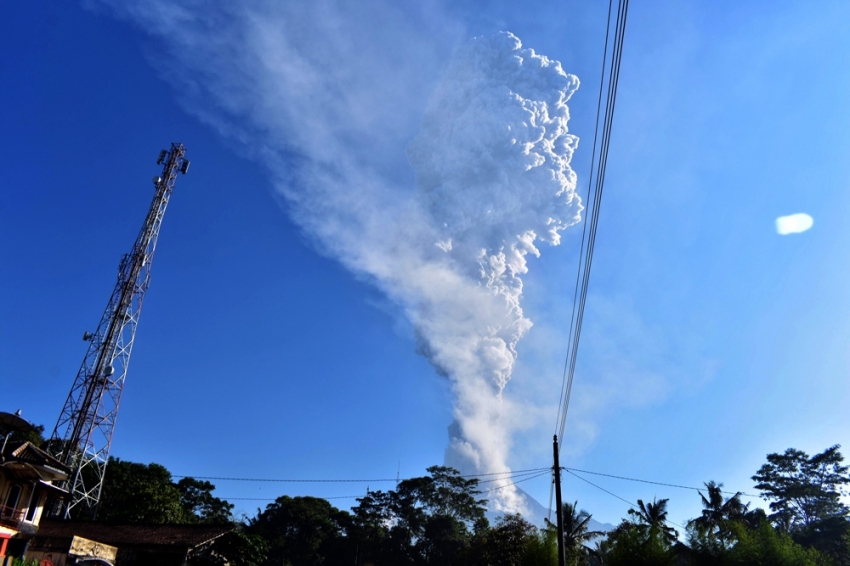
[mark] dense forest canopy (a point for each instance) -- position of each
(439, 519)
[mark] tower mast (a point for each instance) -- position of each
(83, 433)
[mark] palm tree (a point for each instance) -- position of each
(654, 516)
(575, 523)
(717, 512)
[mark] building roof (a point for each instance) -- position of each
(26, 451)
(25, 461)
(175, 536)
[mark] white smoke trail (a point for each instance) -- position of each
(491, 160)
(492, 168)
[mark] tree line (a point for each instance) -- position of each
(439, 520)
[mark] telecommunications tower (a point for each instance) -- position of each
(83, 434)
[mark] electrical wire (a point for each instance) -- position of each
(535, 473)
(274, 498)
(507, 474)
(632, 505)
(530, 477)
(564, 397)
(524, 477)
(513, 474)
(216, 478)
(594, 207)
(518, 475)
(654, 482)
(588, 240)
(514, 483)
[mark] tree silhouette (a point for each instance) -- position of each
(576, 531)
(803, 490)
(654, 516)
(717, 512)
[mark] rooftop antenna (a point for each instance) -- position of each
(83, 433)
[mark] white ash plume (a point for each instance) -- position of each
(492, 166)
(327, 94)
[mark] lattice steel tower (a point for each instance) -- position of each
(83, 434)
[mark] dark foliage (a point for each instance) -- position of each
(199, 504)
(439, 520)
(303, 531)
(425, 520)
(139, 493)
(34, 435)
(635, 543)
(236, 548)
(654, 517)
(766, 546)
(805, 497)
(803, 490)
(503, 545)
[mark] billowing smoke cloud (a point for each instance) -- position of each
(492, 172)
(330, 106)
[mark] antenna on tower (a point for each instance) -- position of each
(83, 433)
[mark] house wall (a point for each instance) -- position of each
(25, 502)
(9, 518)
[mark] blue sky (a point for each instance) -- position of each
(709, 339)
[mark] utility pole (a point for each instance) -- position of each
(559, 506)
(83, 433)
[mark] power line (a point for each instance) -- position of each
(632, 505)
(523, 475)
(518, 476)
(507, 474)
(516, 482)
(510, 472)
(530, 473)
(654, 482)
(564, 398)
(594, 205)
(600, 487)
(530, 477)
(276, 480)
(275, 498)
